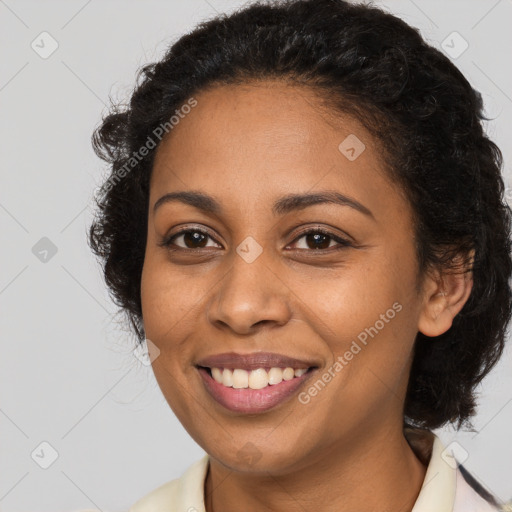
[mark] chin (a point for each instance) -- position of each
(258, 459)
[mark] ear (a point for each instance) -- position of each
(444, 296)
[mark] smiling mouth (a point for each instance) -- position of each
(253, 391)
(259, 378)
(254, 382)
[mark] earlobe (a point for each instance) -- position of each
(444, 298)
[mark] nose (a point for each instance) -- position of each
(250, 295)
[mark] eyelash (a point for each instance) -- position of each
(168, 242)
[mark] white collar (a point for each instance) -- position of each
(437, 492)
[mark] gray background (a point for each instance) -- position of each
(67, 373)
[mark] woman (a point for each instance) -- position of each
(306, 222)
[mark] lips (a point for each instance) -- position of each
(254, 361)
(249, 400)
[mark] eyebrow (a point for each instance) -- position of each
(282, 206)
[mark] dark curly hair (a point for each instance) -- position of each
(372, 65)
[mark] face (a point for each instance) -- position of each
(259, 268)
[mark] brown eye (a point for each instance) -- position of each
(316, 239)
(190, 239)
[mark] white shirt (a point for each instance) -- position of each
(444, 488)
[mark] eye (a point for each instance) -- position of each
(191, 238)
(319, 238)
(314, 239)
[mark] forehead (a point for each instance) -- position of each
(252, 141)
(267, 114)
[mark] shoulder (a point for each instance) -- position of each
(184, 494)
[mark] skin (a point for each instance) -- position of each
(248, 145)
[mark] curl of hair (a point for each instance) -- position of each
(372, 65)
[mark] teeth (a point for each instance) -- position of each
(227, 378)
(217, 374)
(240, 378)
(255, 379)
(275, 376)
(258, 379)
(288, 374)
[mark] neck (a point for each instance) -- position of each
(377, 473)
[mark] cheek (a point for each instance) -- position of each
(365, 318)
(367, 332)
(169, 308)
(169, 299)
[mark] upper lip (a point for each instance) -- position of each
(253, 361)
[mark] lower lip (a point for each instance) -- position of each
(250, 401)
